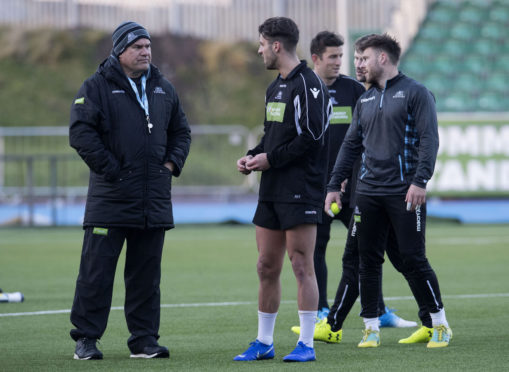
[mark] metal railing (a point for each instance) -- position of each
(38, 169)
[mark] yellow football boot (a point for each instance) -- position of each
(441, 336)
(323, 332)
(423, 334)
(370, 338)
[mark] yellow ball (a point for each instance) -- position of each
(334, 207)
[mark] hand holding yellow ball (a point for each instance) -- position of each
(334, 209)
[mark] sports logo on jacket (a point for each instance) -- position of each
(341, 115)
(159, 90)
(364, 100)
(279, 95)
(399, 94)
(276, 111)
(315, 92)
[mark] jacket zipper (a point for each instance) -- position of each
(147, 137)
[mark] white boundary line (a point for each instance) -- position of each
(241, 303)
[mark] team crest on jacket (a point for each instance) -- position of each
(315, 92)
(399, 94)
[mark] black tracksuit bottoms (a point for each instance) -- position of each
(142, 275)
(374, 217)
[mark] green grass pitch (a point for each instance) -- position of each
(209, 293)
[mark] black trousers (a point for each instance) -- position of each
(348, 287)
(142, 275)
(376, 215)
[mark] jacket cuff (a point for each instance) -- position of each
(422, 185)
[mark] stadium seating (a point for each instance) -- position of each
(461, 54)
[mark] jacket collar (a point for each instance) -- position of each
(394, 80)
(300, 67)
(110, 68)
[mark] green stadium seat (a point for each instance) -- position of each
(445, 65)
(437, 84)
(490, 101)
(442, 13)
(497, 82)
(425, 49)
(475, 65)
(483, 4)
(415, 65)
(433, 31)
(456, 48)
(472, 14)
(459, 101)
(464, 31)
(501, 62)
(500, 13)
(485, 47)
(465, 82)
(494, 30)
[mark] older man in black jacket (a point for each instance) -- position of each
(128, 126)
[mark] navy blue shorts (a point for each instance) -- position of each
(283, 216)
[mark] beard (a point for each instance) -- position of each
(270, 62)
(373, 76)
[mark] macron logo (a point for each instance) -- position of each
(315, 92)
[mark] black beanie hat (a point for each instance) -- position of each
(126, 34)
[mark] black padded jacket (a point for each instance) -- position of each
(129, 186)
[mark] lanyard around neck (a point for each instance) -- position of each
(142, 100)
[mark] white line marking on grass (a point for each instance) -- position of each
(241, 303)
(437, 240)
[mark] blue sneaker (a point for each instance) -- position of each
(391, 320)
(301, 353)
(322, 313)
(257, 351)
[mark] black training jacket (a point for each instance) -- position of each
(344, 92)
(295, 139)
(396, 131)
(129, 185)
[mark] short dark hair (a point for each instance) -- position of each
(384, 42)
(281, 29)
(325, 39)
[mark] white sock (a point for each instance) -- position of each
(439, 318)
(372, 323)
(307, 327)
(266, 323)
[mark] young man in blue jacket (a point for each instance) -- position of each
(395, 129)
(128, 126)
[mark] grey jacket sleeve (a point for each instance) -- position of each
(424, 111)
